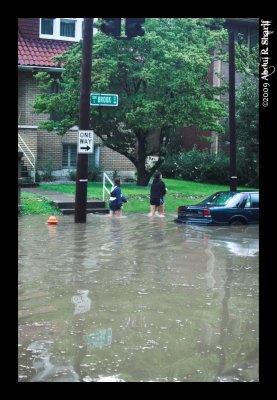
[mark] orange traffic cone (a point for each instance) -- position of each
(52, 220)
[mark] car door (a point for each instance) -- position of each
(251, 208)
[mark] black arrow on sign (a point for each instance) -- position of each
(85, 148)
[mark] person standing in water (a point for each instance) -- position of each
(116, 199)
(157, 192)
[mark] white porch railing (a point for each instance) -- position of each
(105, 177)
(28, 154)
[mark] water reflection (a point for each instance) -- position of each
(81, 301)
(238, 372)
(99, 339)
(45, 370)
(137, 299)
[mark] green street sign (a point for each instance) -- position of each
(98, 99)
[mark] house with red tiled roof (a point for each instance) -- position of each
(39, 39)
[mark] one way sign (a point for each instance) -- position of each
(85, 142)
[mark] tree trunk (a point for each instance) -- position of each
(143, 176)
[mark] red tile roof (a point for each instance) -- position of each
(38, 52)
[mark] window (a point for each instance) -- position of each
(252, 201)
(246, 35)
(254, 37)
(242, 35)
(67, 28)
(61, 28)
(255, 200)
(47, 26)
(69, 157)
(248, 202)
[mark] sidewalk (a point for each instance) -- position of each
(51, 194)
(66, 202)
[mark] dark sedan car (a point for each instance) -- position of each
(223, 208)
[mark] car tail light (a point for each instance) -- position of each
(206, 212)
(179, 210)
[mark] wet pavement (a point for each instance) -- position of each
(137, 299)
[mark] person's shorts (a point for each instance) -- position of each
(155, 201)
(114, 207)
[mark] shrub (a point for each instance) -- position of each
(95, 173)
(46, 171)
(198, 166)
(72, 175)
(129, 179)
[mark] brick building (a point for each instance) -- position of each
(39, 39)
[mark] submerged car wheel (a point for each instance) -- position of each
(237, 222)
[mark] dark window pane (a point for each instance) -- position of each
(91, 159)
(255, 200)
(67, 28)
(69, 157)
(65, 156)
(73, 155)
(47, 26)
(254, 37)
(242, 35)
(55, 87)
(54, 116)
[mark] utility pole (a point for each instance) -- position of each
(232, 113)
(82, 160)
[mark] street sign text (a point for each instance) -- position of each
(98, 99)
(85, 142)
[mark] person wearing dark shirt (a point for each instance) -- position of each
(116, 199)
(157, 192)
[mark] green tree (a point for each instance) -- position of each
(247, 113)
(162, 83)
(247, 128)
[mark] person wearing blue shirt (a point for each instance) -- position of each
(116, 199)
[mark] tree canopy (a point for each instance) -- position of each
(247, 112)
(162, 80)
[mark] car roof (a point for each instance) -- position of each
(238, 191)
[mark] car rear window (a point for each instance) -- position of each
(223, 199)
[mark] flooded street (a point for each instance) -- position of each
(137, 299)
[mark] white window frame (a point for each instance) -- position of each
(56, 30)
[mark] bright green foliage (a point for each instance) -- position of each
(247, 61)
(179, 193)
(35, 204)
(162, 83)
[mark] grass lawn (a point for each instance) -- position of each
(179, 193)
(34, 204)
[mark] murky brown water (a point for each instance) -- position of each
(137, 299)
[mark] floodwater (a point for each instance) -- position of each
(137, 299)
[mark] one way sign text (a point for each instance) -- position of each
(85, 142)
